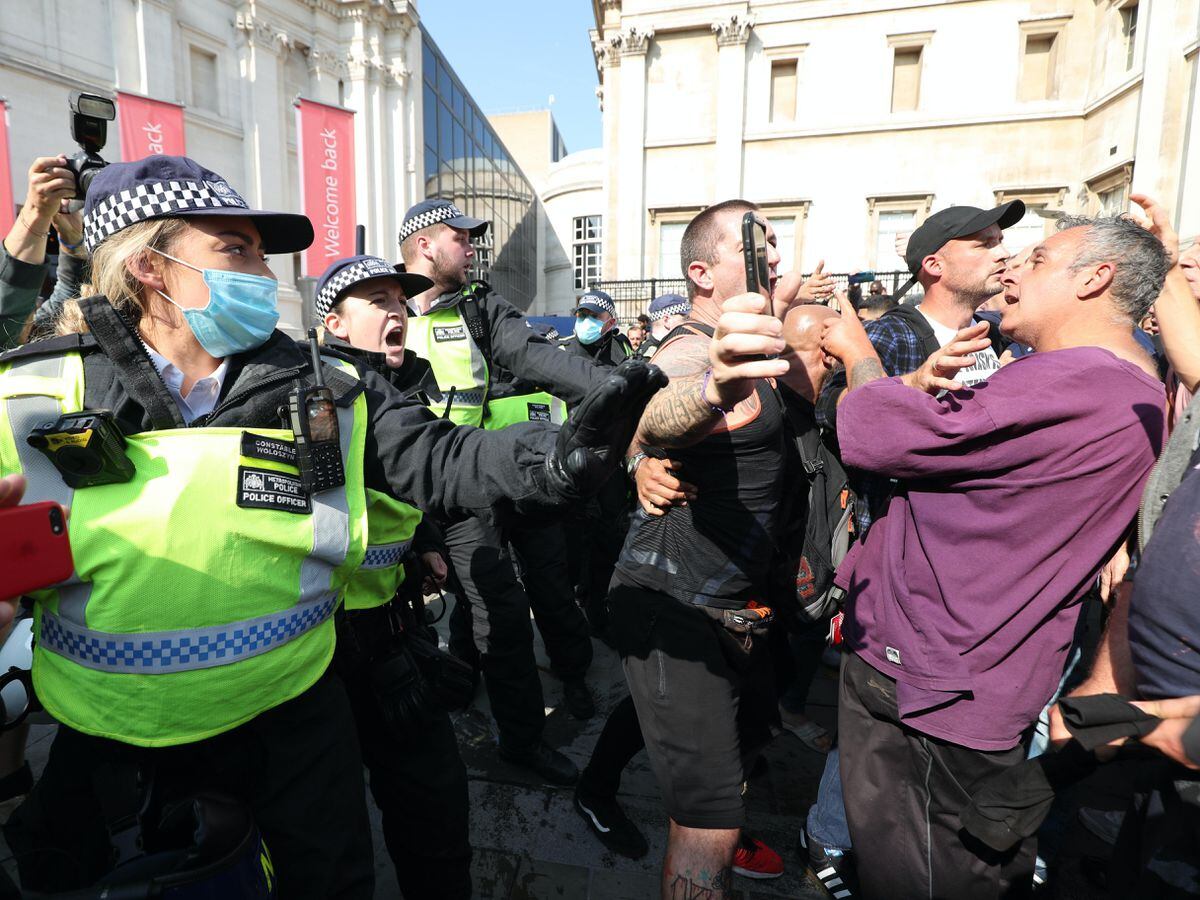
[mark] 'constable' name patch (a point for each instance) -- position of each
(449, 333)
(259, 446)
(265, 489)
(539, 412)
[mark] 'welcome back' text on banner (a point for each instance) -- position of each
(149, 127)
(327, 181)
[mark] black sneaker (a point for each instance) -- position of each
(832, 869)
(578, 698)
(545, 761)
(609, 823)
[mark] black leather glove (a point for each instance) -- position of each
(593, 441)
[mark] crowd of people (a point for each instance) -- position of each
(981, 506)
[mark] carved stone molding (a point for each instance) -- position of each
(606, 5)
(326, 61)
(254, 30)
(733, 31)
(633, 41)
(600, 96)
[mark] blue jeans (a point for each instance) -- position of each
(827, 817)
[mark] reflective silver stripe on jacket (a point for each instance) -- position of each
(385, 556)
(44, 482)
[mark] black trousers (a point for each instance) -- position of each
(598, 530)
(419, 783)
(297, 766)
(619, 742)
(501, 631)
(904, 791)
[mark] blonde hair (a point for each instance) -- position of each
(110, 272)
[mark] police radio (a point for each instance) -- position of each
(313, 417)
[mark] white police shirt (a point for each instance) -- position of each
(202, 398)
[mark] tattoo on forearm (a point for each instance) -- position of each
(677, 416)
(865, 371)
(703, 888)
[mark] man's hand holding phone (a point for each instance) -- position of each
(745, 347)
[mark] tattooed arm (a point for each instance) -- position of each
(678, 416)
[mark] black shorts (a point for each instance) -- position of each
(703, 703)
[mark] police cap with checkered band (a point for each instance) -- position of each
(162, 187)
(431, 212)
(669, 305)
(346, 273)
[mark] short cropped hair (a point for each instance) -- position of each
(408, 247)
(701, 237)
(1140, 258)
(880, 303)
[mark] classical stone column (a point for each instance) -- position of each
(631, 150)
(733, 35)
(608, 61)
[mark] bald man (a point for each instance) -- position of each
(802, 332)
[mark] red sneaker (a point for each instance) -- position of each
(754, 859)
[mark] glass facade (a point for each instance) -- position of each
(466, 163)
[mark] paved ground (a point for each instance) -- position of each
(529, 841)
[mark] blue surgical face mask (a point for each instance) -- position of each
(588, 329)
(241, 312)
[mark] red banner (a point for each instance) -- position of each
(327, 181)
(149, 127)
(8, 214)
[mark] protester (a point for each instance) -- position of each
(939, 695)
(875, 306)
(180, 343)
(636, 335)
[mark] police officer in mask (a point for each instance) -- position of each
(217, 486)
(596, 336)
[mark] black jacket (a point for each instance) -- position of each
(608, 352)
(442, 469)
(518, 349)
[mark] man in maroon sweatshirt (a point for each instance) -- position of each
(1010, 496)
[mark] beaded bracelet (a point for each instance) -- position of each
(67, 246)
(719, 410)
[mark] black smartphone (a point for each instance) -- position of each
(754, 253)
(758, 272)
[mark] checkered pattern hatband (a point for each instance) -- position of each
(151, 201)
(675, 309)
(427, 218)
(359, 271)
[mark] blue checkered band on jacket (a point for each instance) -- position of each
(675, 309)
(385, 556)
(149, 201)
(360, 271)
(182, 651)
(427, 218)
(466, 398)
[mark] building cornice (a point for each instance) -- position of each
(912, 125)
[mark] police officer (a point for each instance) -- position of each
(473, 338)
(212, 540)
(417, 777)
(596, 337)
(666, 313)
(599, 525)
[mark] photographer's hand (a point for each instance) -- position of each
(69, 226)
(50, 182)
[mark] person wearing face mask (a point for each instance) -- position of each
(189, 651)
(596, 335)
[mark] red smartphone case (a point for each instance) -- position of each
(35, 551)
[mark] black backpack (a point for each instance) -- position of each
(812, 553)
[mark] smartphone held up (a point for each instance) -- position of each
(35, 551)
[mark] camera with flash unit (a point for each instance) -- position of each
(90, 115)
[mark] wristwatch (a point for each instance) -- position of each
(631, 464)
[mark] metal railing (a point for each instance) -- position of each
(632, 296)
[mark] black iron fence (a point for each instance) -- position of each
(633, 296)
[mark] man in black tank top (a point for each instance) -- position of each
(696, 685)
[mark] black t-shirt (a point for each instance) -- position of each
(1164, 615)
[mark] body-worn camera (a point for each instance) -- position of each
(86, 447)
(90, 115)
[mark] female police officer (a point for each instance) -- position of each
(189, 649)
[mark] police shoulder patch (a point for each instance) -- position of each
(267, 489)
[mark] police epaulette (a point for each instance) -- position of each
(66, 343)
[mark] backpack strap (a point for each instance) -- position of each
(915, 319)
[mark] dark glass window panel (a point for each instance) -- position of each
(430, 103)
(428, 63)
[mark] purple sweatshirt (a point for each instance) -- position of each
(1013, 495)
